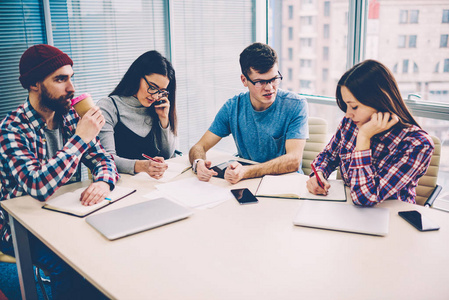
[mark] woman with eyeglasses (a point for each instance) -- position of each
(141, 117)
(380, 148)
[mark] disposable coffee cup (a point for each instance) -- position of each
(82, 104)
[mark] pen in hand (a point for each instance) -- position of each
(321, 184)
(150, 158)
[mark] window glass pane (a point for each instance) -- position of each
(15, 16)
(412, 41)
(401, 41)
(414, 14)
(327, 8)
(445, 16)
(420, 68)
(319, 47)
(443, 40)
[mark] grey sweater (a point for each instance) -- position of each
(134, 116)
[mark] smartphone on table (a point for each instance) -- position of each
(244, 196)
(419, 221)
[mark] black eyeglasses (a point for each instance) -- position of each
(275, 81)
(153, 90)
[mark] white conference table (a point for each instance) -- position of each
(237, 251)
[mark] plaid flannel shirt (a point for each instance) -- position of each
(390, 169)
(24, 168)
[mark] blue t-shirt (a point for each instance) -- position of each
(260, 135)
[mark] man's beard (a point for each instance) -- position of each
(59, 105)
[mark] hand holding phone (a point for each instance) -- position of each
(419, 221)
(244, 196)
(159, 102)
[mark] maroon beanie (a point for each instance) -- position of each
(39, 61)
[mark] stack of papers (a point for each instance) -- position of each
(173, 170)
(194, 193)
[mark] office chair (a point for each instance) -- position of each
(316, 142)
(427, 189)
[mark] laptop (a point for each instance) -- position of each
(137, 218)
(343, 217)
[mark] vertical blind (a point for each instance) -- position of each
(21, 26)
(104, 37)
(208, 37)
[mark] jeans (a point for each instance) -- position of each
(66, 283)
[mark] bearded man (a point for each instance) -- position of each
(42, 144)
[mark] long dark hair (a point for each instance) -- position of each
(151, 62)
(373, 85)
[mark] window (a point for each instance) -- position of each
(445, 16)
(401, 41)
(412, 41)
(414, 14)
(325, 74)
(305, 84)
(443, 40)
(413, 66)
(290, 54)
(290, 12)
(327, 8)
(104, 37)
(306, 21)
(14, 40)
(290, 33)
(405, 66)
(305, 63)
(325, 53)
(290, 74)
(326, 31)
(403, 16)
(102, 56)
(305, 42)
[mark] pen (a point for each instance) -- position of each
(150, 158)
(109, 199)
(317, 177)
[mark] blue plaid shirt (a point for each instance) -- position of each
(390, 169)
(24, 168)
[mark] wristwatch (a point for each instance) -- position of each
(195, 163)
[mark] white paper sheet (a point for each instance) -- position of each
(194, 193)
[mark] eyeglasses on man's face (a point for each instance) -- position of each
(154, 90)
(275, 81)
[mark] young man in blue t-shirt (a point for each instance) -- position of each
(268, 125)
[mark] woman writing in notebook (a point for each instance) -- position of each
(380, 148)
(140, 117)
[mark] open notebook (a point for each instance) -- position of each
(293, 185)
(69, 203)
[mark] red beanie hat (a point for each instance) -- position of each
(39, 61)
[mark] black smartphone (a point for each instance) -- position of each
(244, 196)
(159, 102)
(221, 168)
(419, 221)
